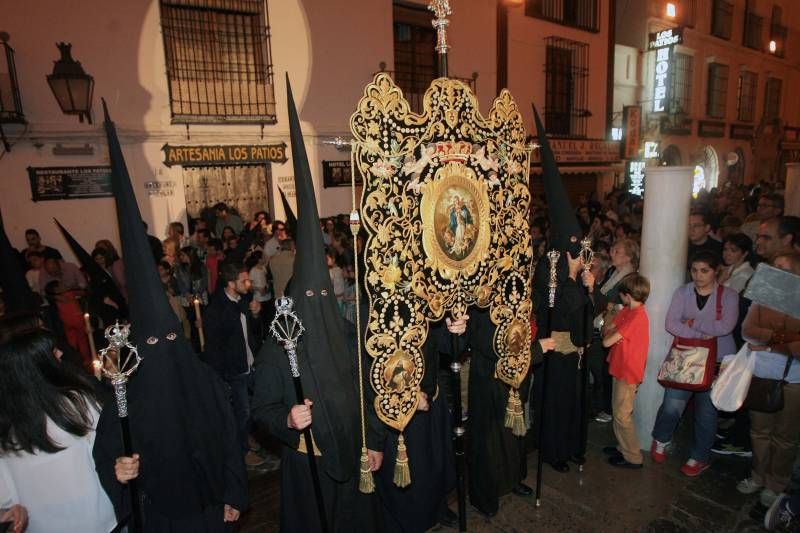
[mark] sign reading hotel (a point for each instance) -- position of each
(663, 42)
(225, 155)
(584, 151)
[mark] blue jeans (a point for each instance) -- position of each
(705, 420)
(240, 401)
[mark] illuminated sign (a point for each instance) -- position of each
(664, 38)
(663, 42)
(636, 177)
(616, 134)
(632, 126)
(650, 150)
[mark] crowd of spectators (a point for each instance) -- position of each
(222, 276)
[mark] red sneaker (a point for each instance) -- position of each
(693, 468)
(658, 451)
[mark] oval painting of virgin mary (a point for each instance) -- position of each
(456, 222)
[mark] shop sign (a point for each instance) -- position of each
(224, 155)
(632, 130)
(651, 150)
(582, 151)
(710, 128)
(70, 183)
(635, 177)
(338, 174)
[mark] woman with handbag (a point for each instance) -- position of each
(701, 317)
(774, 338)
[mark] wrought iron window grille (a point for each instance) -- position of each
(567, 87)
(219, 61)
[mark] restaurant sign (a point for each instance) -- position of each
(582, 151)
(224, 155)
(69, 183)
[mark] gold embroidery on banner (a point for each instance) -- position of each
(445, 205)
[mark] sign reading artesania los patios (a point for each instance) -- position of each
(225, 155)
(663, 42)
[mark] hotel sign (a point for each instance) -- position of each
(663, 42)
(224, 155)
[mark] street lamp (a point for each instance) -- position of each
(672, 10)
(71, 86)
(773, 46)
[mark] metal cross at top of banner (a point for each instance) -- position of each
(445, 204)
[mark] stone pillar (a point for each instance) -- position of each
(792, 194)
(665, 227)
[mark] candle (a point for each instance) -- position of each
(90, 336)
(199, 320)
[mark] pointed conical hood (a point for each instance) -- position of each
(291, 219)
(100, 279)
(17, 294)
(179, 416)
(565, 232)
(150, 311)
(327, 366)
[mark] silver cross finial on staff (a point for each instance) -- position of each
(441, 9)
(553, 256)
(287, 328)
(117, 366)
(587, 254)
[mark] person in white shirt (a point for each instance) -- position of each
(48, 480)
(737, 249)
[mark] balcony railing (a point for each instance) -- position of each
(722, 19)
(778, 34)
(753, 31)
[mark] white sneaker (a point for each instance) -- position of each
(603, 417)
(748, 486)
(778, 514)
(767, 497)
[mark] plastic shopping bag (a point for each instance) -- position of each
(730, 388)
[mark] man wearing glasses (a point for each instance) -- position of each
(769, 207)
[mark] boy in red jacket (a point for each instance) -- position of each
(628, 336)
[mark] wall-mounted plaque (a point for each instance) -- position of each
(69, 183)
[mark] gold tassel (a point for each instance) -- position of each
(366, 483)
(515, 416)
(402, 473)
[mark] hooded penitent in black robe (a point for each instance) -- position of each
(328, 373)
(559, 375)
(181, 424)
(563, 410)
(428, 438)
(496, 458)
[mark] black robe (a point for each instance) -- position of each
(428, 438)
(496, 457)
(562, 381)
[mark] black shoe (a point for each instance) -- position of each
(612, 451)
(560, 466)
(448, 518)
(485, 514)
(619, 460)
(522, 490)
(577, 459)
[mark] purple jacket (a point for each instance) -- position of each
(684, 307)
